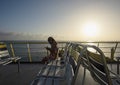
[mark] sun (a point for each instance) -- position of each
(90, 29)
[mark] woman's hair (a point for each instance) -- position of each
(52, 39)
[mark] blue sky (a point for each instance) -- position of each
(62, 19)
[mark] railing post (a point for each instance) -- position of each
(116, 46)
(97, 46)
(12, 50)
(113, 49)
(29, 53)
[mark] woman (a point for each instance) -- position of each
(53, 50)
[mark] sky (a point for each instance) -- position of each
(71, 20)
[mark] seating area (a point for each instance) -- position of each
(55, 72)
(6, 59)
(77, 56)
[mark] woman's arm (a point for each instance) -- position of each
(48, 48)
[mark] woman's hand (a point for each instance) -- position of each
(48, 48)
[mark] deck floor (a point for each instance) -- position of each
(88, 80)
(9, 74)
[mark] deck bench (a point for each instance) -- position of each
(51, 74)
(57, 72)
(6, 59)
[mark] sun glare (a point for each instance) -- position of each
(90, 29)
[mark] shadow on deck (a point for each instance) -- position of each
(9, 74)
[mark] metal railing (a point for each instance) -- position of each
(29, 51)
(110, 49)
(34, 51)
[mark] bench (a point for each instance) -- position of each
(6, 59)
(58, 72)
(50, 74)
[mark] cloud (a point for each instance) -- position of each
(27, 36)
(21, 36)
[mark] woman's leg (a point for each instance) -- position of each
(45, 60)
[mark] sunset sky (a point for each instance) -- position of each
(76, 20)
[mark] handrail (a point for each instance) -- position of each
(30, 51)
(85, 52)
(101, 44)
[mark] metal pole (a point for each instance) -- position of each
(29, 53)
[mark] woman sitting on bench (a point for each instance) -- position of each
(53, 51)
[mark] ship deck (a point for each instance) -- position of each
(9, 74)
